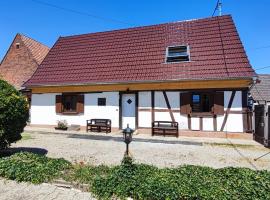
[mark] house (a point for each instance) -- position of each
(259, 99)
(21, 60)
(260, 92)
(195, 72)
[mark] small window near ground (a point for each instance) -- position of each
(177, 54)
(101, 101)
(201, 102)
(69, 103)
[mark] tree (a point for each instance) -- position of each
(13, 114)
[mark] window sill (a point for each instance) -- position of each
(69, 113)
(201, 114)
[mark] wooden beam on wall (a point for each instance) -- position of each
(168, 106)
(176, 85)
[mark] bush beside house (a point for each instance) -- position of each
(13, 114)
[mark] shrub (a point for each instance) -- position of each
(29, 167)
(141, 181)
(13, 114)
(62, 124)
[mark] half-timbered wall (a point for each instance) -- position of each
(43, 109)
(152, 106)
(167, 108)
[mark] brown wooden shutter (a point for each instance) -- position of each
(80, 104)
(218, 108)
(58, 103)
(185, 107)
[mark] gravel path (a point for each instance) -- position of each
(99, 148)
(11, 190)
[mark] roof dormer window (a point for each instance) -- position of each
(17, 45)
(177, 54)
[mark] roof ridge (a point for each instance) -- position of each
(21, 34)
(144, 26)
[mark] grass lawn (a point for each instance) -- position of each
(141, 181)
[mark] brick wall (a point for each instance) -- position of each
(18, 65)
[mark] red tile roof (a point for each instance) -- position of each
(138, 54)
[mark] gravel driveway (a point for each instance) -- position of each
(99, 148)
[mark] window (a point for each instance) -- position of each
(101, 101)
(177, 54)
(17, 45)
(201, 102)
(69, 103)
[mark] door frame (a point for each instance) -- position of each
(136, 108)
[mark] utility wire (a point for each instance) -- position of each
(262, 47)
(217, 4)
(262, 68)
(80, 13)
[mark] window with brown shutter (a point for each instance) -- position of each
(185, 107)
(80, 104)
(201, 102)
(58, 103)
(69, 104)
(218, 108)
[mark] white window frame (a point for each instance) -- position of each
(188, 53)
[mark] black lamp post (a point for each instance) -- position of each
(127, 136)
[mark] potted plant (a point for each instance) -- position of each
(62, 125)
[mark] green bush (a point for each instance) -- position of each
(13, 114)
(33, 168)
(86, 174)
(141, 181)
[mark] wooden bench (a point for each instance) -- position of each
(165, 128)
(98, 125)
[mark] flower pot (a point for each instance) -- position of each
(63, 129)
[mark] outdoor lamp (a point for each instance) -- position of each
(127, 136)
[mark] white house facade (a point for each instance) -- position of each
(195, 73)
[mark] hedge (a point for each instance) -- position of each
(13, 114)
(140, 181)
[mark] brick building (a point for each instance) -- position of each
(21, 60)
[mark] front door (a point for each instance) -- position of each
(129, 110)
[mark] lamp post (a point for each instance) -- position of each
(127, 136)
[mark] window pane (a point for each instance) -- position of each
(69, 103)
(177, 54)
(196, 99)
(205, 103)
(101, 101)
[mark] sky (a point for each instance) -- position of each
(46, 20)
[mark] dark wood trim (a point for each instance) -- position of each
(152, 106)
(201, 123)
(228, 110)
(120, 110)
(189, 122)
(245, 114)
(168, 105)
(136, 110)
(215, 122)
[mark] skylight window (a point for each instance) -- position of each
(177, 54)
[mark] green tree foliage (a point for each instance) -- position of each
(13, 114)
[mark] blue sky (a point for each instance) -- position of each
(45, 23)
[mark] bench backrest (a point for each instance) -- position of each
(101, 121)
(164, 124)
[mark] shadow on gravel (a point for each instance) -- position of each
(11, 151)
(120, 139)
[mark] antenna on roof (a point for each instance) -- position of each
(218, 7)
